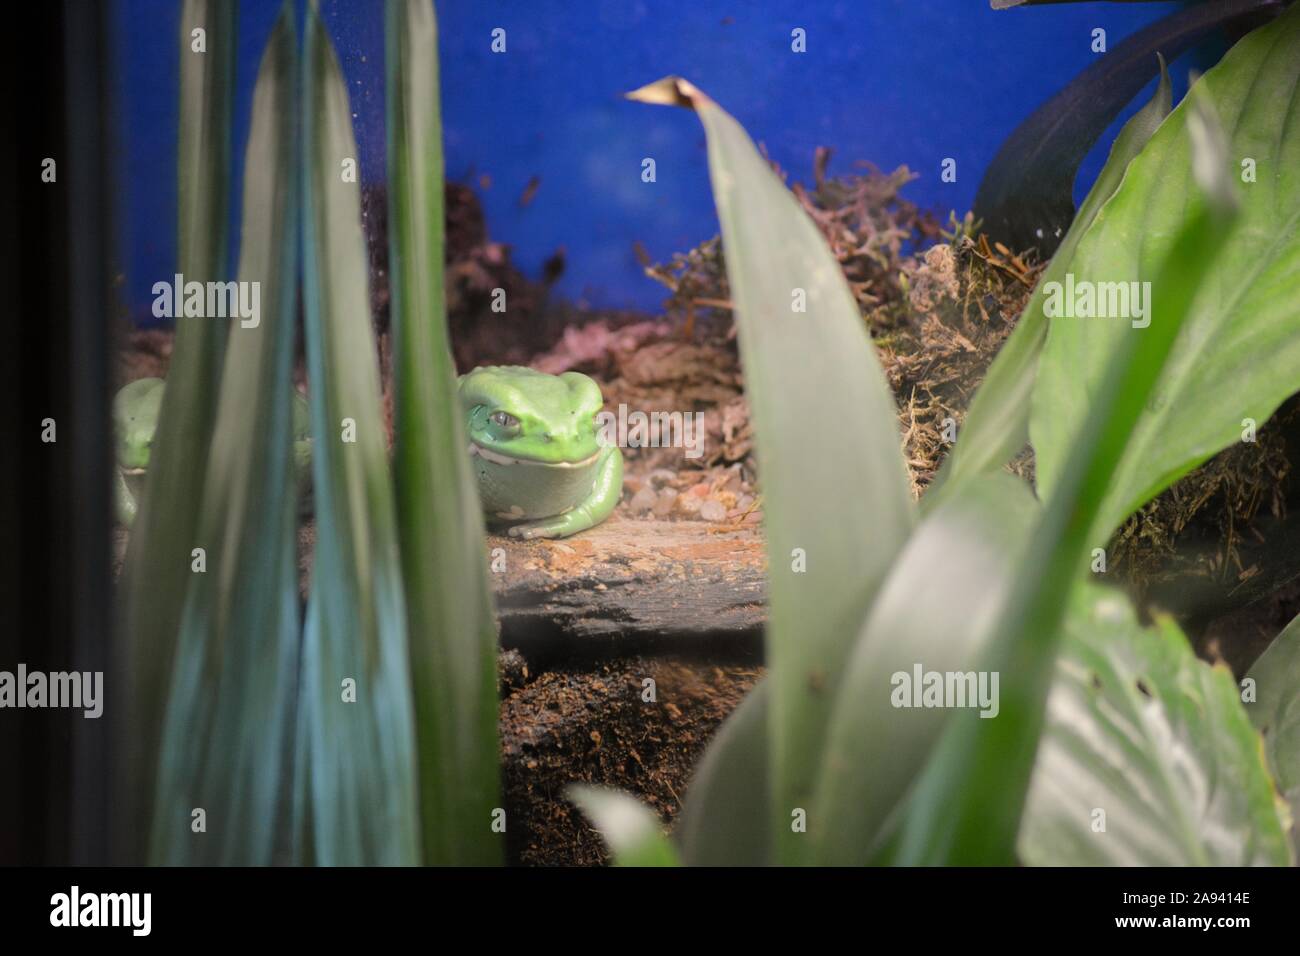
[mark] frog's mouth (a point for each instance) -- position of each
(499, 459)
(132, 472)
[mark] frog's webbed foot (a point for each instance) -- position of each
(558, 527)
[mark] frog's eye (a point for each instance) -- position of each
(504, 420)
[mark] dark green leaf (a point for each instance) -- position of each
(935, 622)
(1240, 355)
(229, 718)
(967, 809)
(1148, 758)
(357, 762)
(824, 564)
(451, 627)
(157, 573)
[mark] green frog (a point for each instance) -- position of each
(535, 447)
(135, 419)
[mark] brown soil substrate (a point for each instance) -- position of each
(578, 724)
(1239, 638)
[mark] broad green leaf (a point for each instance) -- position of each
(157, 569)
(1276, 713)
(631, 830)
(1239, 356)
(726, 820)
(921, 621)
(967, 808)
(997, 425)
(357, 764)
(451, 627)
(1026, 196)
(229, 718)
(1141, 731)
(824, 416)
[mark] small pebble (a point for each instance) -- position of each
(664, 503)
(643, 500)
(661, 476)
(713, 510)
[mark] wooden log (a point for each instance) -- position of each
(643, 584)
(674, 581)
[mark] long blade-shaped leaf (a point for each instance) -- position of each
(823, 415)
(921, 623)
(451, 627)
(229, 717)
(1240, 356)
(356, 736)
(1276, 712)
(997, 424)
(157, 569)
(967, 810)
(1148, 758)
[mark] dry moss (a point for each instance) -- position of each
(939, 303)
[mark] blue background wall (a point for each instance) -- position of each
(890, 81)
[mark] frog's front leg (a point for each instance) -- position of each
(600, 504)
